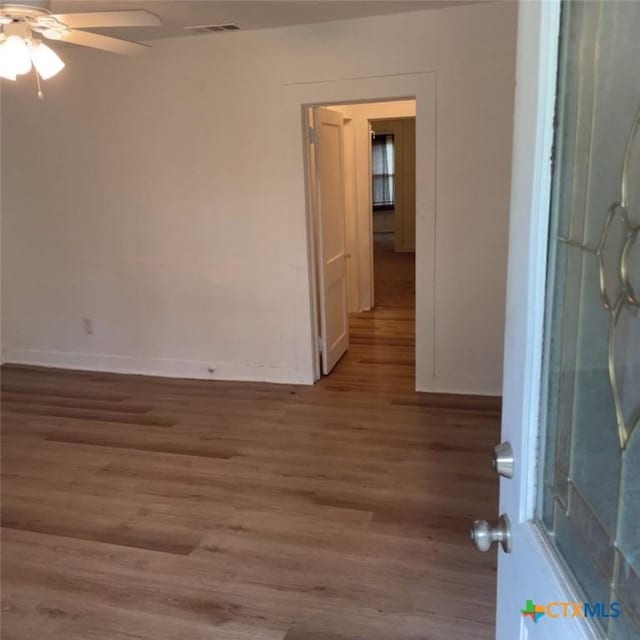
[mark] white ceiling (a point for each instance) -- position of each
(261, 14)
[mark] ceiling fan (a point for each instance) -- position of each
(23, 25)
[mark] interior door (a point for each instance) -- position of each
(570, 488)
(332, 269)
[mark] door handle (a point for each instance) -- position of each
(484, 535)
(502, 459)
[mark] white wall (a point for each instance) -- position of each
(163, 196)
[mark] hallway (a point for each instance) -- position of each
(382, 341)
(152, 508)
(394, 275)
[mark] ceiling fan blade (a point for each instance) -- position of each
(98, 19)
(105, 43)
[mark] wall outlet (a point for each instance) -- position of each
(87, 326)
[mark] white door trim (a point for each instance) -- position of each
(538, 30)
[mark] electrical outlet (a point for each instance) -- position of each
(87, 326)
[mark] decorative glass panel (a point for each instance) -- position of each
(589, 498)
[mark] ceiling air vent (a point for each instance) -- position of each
(212, 28)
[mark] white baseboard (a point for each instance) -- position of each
(199, 370)
(163, 367)
(462, 385)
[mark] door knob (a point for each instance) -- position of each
(484, 535)
(502, 459)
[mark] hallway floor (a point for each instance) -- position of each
(158, 509)
(382, 341)
(394, 279)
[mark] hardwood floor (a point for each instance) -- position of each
(157, 509)
(393, 274)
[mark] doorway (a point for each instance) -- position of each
(393, 160)
(362, 185)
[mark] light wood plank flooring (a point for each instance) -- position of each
(156, 509)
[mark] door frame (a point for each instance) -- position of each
(421, 87)
(536, 73)
(311, 179)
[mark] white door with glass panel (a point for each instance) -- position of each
(570, 490)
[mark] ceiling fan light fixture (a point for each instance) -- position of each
(16, 52)
(6, 68)
(46, 61)
(21, 20)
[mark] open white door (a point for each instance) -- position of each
(571, 395)
(331, 233)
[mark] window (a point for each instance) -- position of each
(382, 168)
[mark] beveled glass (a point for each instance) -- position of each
(589, 497)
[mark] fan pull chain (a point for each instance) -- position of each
(40, 94)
